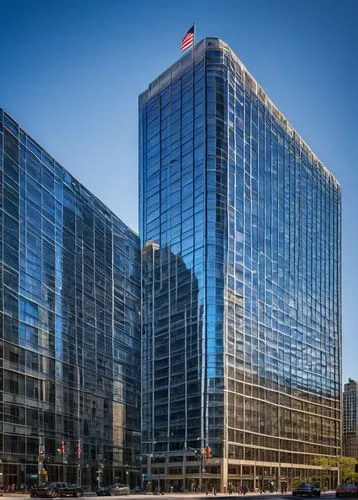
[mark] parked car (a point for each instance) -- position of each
(52, 490)
(310, 489)
(114, 489)
(345, 490)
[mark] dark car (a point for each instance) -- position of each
(347, 490)
(310, 489)
(114, 489)
(52, 490)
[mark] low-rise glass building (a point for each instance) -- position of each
(70, 326)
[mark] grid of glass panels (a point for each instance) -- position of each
(70, 351)
(172, 204)
(230, 189)
(282, 273)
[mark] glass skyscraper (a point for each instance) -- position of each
(70, 326)
(240, 227)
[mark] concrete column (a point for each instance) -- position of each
(166, 484)
(278, 482)
(183, 472)
(223, 475)
(149, 471)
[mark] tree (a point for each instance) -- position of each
(345, 464)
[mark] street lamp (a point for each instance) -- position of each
(125, 473)
(199, 453)
(79, 456)
(149, 464)
(201, 470)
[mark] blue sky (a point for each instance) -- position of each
(71, 72)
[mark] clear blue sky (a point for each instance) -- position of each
(71, 72)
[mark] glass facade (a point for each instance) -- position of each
(240, 225)
(70, 326)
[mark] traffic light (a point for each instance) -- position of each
(356, 467)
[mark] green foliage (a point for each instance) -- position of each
(325, 462)
(346, 465)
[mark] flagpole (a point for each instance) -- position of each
(192, 50)
(192, 47)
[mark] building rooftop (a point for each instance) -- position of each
(52, 164)
(186, 61)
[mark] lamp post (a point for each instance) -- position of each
(201, 470)
(125, 474)
(199, 453)
(149, 465)
(79, 455)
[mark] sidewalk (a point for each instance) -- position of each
(192, 494)
(204, 495)
(195, 495)
(188, 494)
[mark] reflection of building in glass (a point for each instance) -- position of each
(234, 193)
(171, 343)
(69, 322)
(350, 419)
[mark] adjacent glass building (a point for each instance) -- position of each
(70, 326)
(350, 419)
(240, 227)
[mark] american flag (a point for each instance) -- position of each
(188, 39)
